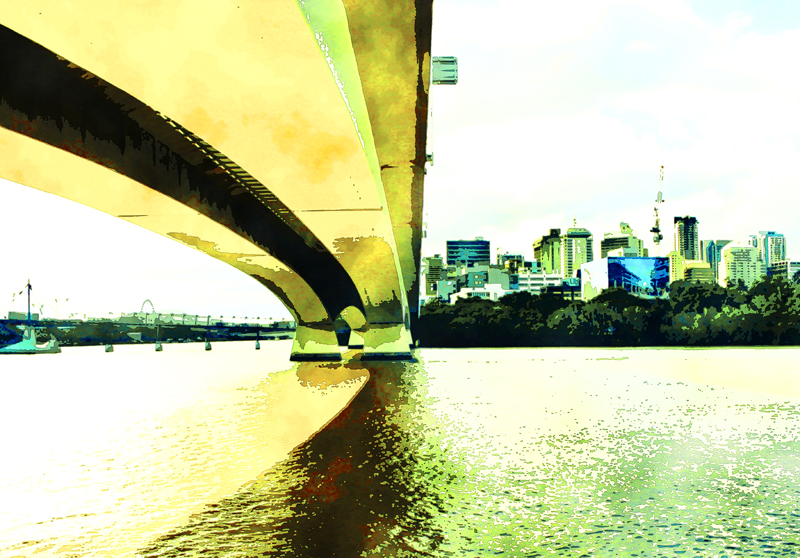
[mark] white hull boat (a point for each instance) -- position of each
(27, 345)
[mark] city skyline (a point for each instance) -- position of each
(560, 112)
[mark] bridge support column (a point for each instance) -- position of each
(315, 342)
(356, 340)
(387, 342)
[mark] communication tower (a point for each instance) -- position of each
(656, 230)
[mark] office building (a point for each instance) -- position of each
(535, 282)
(481, 281)
(624, 239)
(771, 247)
(686, 241)
(711, 253)
(515, 263)
(576, 249)
(740, 262)
(547, 251)
(697, 271)
(677, 266)
(645, 277)
(569, 289)
(468, 252)
(433, 270)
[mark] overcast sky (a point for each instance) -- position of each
(563, 110)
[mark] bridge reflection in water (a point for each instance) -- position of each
(368, 482)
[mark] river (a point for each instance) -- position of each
(516, 452)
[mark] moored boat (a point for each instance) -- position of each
(27, 344)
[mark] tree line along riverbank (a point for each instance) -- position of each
(694, 314)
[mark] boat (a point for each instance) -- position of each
(27, 344)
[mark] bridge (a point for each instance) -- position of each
(283, 137)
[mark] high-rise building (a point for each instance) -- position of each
(622, 239)
(576, 249)
(740, 262)
(547, 251)
(468, 252)
(686, 239)
(432, 269)
(677, 266)
(711, 253)
(771, 247)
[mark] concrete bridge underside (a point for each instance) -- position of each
(287, 141)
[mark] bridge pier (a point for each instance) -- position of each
(356, 340)
(315, 342)
(389, 341)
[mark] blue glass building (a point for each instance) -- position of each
(468, 252)
(646, 277)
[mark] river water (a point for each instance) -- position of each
(523, 452)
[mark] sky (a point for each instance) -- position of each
(563, 110)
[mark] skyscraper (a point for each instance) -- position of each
(432, 270)
(547, 250)
(771, 247)
(740, 262)
(468, 252)
(576, 249)
(686, 239)
(711, 253)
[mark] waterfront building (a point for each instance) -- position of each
(646, 276)
(740, 262)
(576, 249)
(468, 252)
(784, 268)
(547, 251)
(686, 240)
(624, 239)
(698, 271)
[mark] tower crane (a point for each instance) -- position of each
(656, 230)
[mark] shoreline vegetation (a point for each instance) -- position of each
(695, 314)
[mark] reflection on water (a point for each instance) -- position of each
(367, 484)
(521, 453)
(505, 453)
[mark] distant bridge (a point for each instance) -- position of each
(286, 138)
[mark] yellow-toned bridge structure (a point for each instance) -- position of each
(284, 137)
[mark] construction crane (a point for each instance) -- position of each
(656, 230)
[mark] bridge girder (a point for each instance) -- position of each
(310, 177)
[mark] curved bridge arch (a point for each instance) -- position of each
(353, 264)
